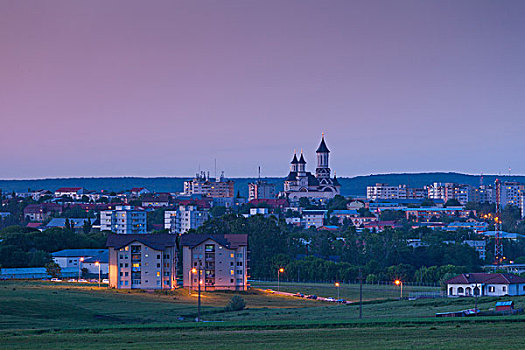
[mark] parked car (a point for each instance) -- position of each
(299, 295)
(342, 301)
(314, 297)
(330, 299)
(105, 280)
(56, 279)
(82, 280)
(72, 280)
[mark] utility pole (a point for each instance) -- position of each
(199, 299)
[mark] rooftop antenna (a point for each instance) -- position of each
(259, 173)
(215, 169)
(509, 171)
(481, 179)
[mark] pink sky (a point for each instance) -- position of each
(159, 88)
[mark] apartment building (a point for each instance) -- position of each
(511, 193)
(385, 191)
(183, 219)
(261, 190)
(447, 191)
(142, 261)
(125, 219)
(209, 187)
(215, 261)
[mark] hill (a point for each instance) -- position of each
(351, 186)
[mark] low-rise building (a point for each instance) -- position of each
(157, 200)
(485, 284)
(215, 261)
(477, 227)
(41, 212)
(142, 261)
(72, 192)
(313, 218)
(479, 245)
(80, 258)
(124, 219)
(427, 214)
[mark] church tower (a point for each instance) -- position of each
(301, 165)
(294, 163)
(322, 172)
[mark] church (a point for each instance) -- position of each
(301, 183)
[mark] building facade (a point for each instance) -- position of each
(215, 261)
(209, 187)
(185, 218)
(384, 191)
(261, 190)
(302, 184)
(125, 219)
(142, 261)
(485, 284)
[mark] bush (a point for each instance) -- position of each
(236, 304)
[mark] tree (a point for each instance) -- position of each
(54, 270)
(236, 303)
(452, 203)
(217, 211)
(86, 228)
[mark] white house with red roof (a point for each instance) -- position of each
(139, 191)
(73, 192)
(485, 284)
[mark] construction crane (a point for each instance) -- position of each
(498, 244)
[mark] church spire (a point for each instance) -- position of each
(322, 147)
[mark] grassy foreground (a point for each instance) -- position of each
(62, 316)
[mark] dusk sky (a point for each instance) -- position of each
(159, 88)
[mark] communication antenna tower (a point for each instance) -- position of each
(498, 245)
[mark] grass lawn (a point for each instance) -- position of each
(67, 316)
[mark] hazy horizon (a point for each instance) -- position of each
(154, 89)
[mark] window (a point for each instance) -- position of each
(239, 272)
(239, 263)
(232, 255)
(504, 289)
(158, 256)
(492, 289)
(231, 272)
(126, 274)
(158, 264)
(126, 283)
(231, 281)
(121, 274)
(126, 265)
(460, 290)
(166, 256)
(121, 265)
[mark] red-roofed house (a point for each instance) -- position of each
(381, 225)
(485, 284)
(272, 203)
(73, 192)
(39, 212)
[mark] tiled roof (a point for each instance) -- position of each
(69, 189)
(493, 278)
(156, 241)
(231, 241)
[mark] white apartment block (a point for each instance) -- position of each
(385, 191)
(215, 261)
(124, 219)
(313, 218)
(183, 219)
(142, 261)
(206, 186)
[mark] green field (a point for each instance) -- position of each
(68, 316)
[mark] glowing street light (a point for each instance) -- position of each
(399, 283)
(98, 264)
(281, 270)
(81, 260)
(337, 285)
(190, 286)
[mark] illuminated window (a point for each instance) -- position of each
(158, 273)
(231, 272)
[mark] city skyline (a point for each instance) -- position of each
(135, 89)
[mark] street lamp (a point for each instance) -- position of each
(281, 270)
(81, 260)
(337, 285)
(399, 283)
(476, 297)
(190, 285)
(98, 264)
